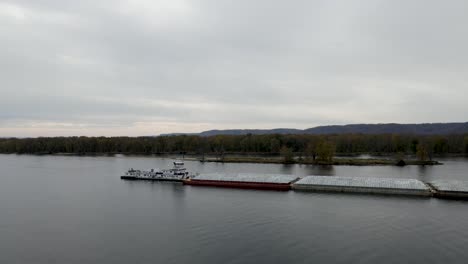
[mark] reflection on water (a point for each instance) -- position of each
(77, 210)
(422, 170)
(287, 169)
(326, 170)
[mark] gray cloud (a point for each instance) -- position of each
(147, 67)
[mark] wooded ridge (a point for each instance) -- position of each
(391, 128)
(272, 143)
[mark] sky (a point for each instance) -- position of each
(145, 67)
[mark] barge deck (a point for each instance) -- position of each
(244, 181)
(450, 189)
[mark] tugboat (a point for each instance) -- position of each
(178, 173)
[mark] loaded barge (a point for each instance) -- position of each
(244, 181)
(177, 174)
(363, 185)
(450, 189)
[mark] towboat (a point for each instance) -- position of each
(177, 173)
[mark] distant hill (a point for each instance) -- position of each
(420, 129)
(251, 131)
(392, 128)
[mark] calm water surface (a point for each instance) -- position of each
(58, 209)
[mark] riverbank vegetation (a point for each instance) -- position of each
(316, 147)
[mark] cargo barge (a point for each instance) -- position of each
(363, 185)
(450, 189)
(244, 181)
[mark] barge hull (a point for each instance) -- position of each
(451, 195)
(241, 185)
(450, 189)
(129, 178)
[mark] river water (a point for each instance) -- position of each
(64, 209)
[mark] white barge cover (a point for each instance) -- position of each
(450, 186)
(244, 177)
(363, 184)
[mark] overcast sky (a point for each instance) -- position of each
(146, 67)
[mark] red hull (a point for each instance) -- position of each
(242, 185)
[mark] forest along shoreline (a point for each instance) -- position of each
(336, 149)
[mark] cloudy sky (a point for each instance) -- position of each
(145, 67)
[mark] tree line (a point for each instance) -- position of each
(310, 145)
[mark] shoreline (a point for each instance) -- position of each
(334, 162)
(339, 160)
